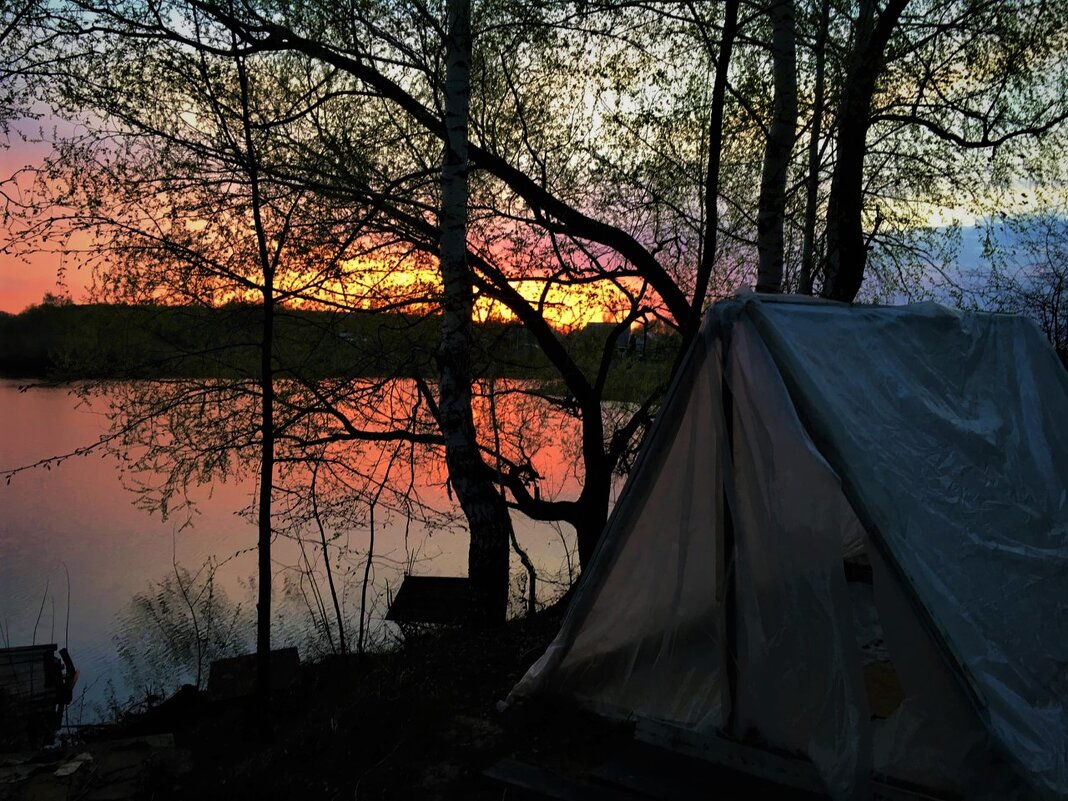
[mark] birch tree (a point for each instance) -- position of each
(633, 151)
(484, 508)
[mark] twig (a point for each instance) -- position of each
(66, 627)
(326, 562)
(40, 612)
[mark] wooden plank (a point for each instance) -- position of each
(21, 664)
(40, 695)
(32, 695)
(444, 600)
(26, 679)
(24, 676)
(26, 666)
(538, 782)
(21, 650)
(669, 775)
(884, 789)
(638, 776)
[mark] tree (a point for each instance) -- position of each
(646, 181)
(600, 457)
(16, 19)
(771, 214)
(1014, 58)
(487, 515)
(846, 256)
(1032, 278)
(807, 268)
(170, 181)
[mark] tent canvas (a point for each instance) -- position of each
(926, 442)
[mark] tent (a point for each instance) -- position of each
(922, 452)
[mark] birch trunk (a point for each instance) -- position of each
(485, 510)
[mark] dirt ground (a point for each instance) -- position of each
(421, 722)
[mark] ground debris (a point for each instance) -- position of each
(104, 770)
(417, 722)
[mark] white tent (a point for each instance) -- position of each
(931, 444)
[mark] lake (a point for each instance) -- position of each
(75, 551)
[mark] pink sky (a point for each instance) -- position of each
(25, 280)
(23, 285)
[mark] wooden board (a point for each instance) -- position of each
(671, 776)
(33, 692)
(443, 600)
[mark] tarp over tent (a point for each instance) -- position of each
(799, 432)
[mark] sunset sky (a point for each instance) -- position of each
(24, 280)
(23, 285)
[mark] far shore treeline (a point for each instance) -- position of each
(67, 342)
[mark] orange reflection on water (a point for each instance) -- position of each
(78, 517)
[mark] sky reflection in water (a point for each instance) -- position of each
(78, 517)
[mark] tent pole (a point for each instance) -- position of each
(730, 600)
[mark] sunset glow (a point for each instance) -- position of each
(565, 307)
(370, 284)
(414, 285)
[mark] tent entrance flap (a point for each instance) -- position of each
(800, 686)
(644, 635)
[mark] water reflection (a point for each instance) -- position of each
(171, 632)
(123, 561)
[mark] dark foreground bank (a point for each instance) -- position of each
(420, 722)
